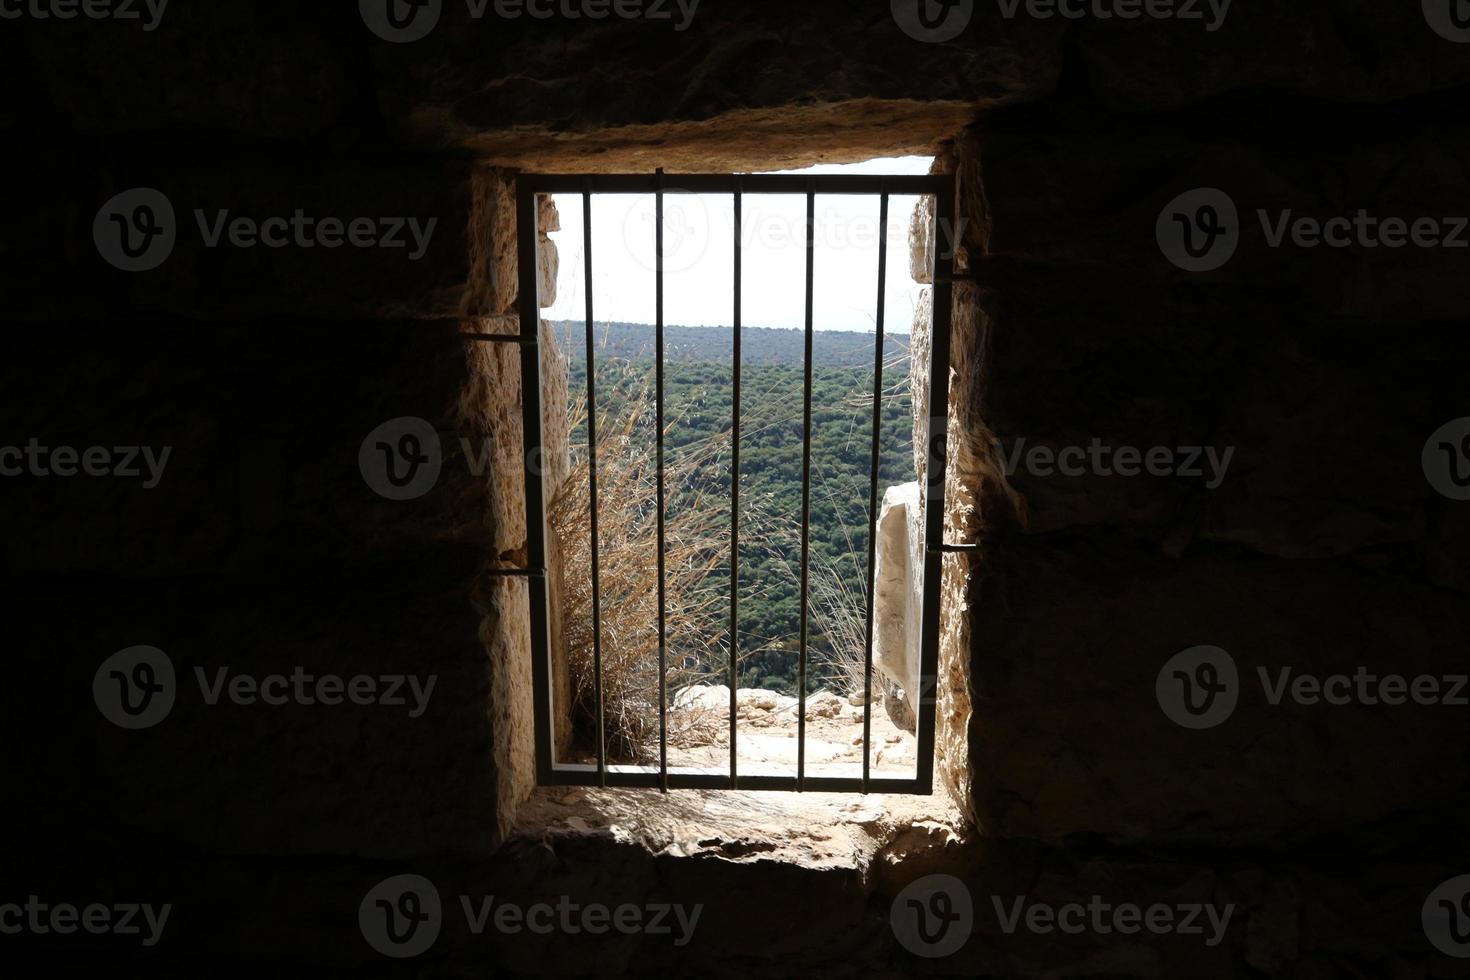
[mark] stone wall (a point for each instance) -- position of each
(263, 548)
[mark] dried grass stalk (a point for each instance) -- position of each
(696, 546)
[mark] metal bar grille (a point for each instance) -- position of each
(658, 366)
(806, 485)
(530, 310)
(873, 493)
(592, 487)
(661, 777)
(735, 499)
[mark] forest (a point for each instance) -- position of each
(698, 428)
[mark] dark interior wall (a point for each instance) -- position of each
(262, 549)
(1323, 548)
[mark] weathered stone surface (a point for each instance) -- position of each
(898, 589)
(262, 549)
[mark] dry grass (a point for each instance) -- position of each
(839, 614)
(697, 536)
(696, 547)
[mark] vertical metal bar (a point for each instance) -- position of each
(873, 489)
(663, 721)
(592, 485)
(806, 487)
(532, 440)
(937, 444)
(735, 500)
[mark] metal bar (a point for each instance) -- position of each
(663, 721)
(726, 183)
(806, 486)
(592, 486)
(937, 443)
(529, 304)
(649, 778)
(943, 276)
(735, 503)
(873, 490)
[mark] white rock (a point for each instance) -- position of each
(823, 704)
(899, 577)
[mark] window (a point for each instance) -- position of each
(600, 767)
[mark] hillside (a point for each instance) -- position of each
(698, 378)
(759, 345)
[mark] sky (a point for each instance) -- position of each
(699, 257)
